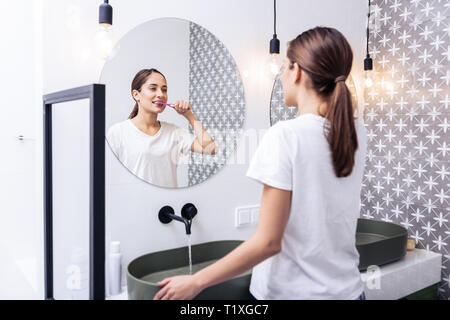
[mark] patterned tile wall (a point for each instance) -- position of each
(217, 99)
(407, 116)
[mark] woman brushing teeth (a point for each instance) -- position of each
(150, 148)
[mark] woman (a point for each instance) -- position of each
(304, 246)
(151, 149)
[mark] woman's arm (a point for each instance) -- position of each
(203, 142)
(266, 242)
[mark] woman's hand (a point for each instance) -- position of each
(178, 288)
(182, 107)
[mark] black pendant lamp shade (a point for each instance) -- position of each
(368, 63)
(105, 13)
(274, 45)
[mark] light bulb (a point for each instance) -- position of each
(104, 42)
(368, 82)
(273, 65)
(389, 86)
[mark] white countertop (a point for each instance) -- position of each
(122, 296)
(417, 270)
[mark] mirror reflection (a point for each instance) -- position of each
(174, 103)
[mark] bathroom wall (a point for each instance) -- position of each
(245, 28)
(20, 194)
(407, 116)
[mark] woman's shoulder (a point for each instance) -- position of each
(281, 127)
(120, 124)
(117, 128)
(168, 126)
(303, 125)
(280, 131)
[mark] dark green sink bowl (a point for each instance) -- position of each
(144, 272)
(379, 242)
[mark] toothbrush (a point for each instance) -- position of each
(165, 104)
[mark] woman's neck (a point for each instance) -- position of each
(147, 123)
(311, 103)
(146, 120)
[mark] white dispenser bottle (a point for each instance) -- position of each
(115, 268)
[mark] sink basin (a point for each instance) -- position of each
(144, 272)
(379, 242)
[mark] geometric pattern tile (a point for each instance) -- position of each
(217, 98)
(407, 116)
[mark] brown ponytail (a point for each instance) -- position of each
(139, 79)
(326, 56)
(134, 112)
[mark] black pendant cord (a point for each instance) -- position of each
(274, 16)
(368, 62)
(367, 38)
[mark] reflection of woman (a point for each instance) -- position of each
(150, 148)
(304, 247)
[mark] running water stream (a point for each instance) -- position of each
(190, 253)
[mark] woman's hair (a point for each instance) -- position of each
(139, 79)
(325, 55)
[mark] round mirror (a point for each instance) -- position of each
(279, 111)
(175, 103)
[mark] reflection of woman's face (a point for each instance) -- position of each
(153, 90)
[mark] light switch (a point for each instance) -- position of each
(243, 216)
(254, 214)
(246, 215)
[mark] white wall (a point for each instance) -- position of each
(245, 28)
(20, 84)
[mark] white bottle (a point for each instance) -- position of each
(115, 268)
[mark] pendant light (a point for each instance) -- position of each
(273, 63)
(368, 63)
(105, 14)
(104, 37)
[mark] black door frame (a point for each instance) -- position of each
(96, 95)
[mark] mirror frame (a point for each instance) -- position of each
(96, 95)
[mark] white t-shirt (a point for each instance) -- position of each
(151, 158)
(318, 259)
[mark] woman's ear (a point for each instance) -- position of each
(135, 94)
(297, 73)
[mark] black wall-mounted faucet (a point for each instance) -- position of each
(167, 214)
